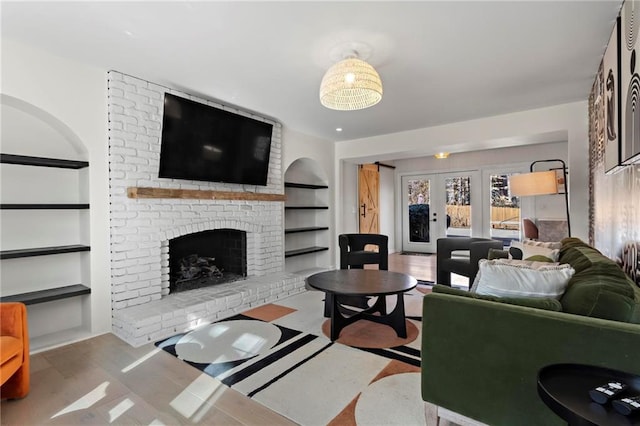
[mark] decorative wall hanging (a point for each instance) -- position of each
(611, 100)
(596, 143)
(630, 82)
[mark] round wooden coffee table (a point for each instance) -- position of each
(363, 282)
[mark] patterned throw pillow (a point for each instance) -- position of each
(532, 248)
(521, 278)
(553, 245)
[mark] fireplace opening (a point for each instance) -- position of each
(207, 258)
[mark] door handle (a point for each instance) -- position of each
(364, 210)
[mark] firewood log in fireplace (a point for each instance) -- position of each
(194, 267)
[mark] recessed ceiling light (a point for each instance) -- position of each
(338, 129)
(129, 33)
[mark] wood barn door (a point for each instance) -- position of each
(369, 199)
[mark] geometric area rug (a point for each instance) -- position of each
(278, 355)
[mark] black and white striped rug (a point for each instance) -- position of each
(278, 355)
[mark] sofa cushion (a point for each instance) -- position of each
(599, 287)
(585, 257)
(521, 278)
(547, 303)
(572, 242)
(603, 291)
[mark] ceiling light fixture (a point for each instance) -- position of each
(350, 84)
(442, 155)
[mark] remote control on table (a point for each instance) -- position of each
(628, 405)
(606, 392)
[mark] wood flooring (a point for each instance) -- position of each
(103, 380)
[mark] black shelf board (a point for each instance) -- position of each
(306, 207)
(42, 161)
(42, 251)
(34, 206)
(48, 295)
(306, 229)
(304, 185)
(300, 252)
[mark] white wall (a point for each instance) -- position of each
(566, 122)
(75, 95)
(298, 145)
(347, 198)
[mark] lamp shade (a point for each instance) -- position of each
(350, 84)
(534, 183)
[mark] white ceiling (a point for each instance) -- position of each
(440, 62)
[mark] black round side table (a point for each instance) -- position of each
(564, 388)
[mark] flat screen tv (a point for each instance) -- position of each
(200, 142)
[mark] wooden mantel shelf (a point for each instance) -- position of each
(197, 194)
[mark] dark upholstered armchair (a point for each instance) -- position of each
(447, 263)
(354, 256)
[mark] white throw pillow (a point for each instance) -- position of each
(521, 278)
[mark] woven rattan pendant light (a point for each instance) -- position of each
(350, 84)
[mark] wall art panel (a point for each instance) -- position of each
(611, 88)
(630, 82)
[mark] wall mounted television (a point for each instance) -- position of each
(201, 142)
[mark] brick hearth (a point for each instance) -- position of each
(185, 311)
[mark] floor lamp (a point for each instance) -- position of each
(541, 183)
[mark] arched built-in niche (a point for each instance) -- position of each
(307, 219)
(45, 223)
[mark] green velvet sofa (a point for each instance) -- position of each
(481, 356)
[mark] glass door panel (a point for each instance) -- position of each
(419, 195)
(505, 210)
(458, 206)
(419, 222)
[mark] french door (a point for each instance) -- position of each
(440, 205)
(505, 211)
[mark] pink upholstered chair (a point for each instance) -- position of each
(530, 229)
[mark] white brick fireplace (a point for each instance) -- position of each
(143, 309)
